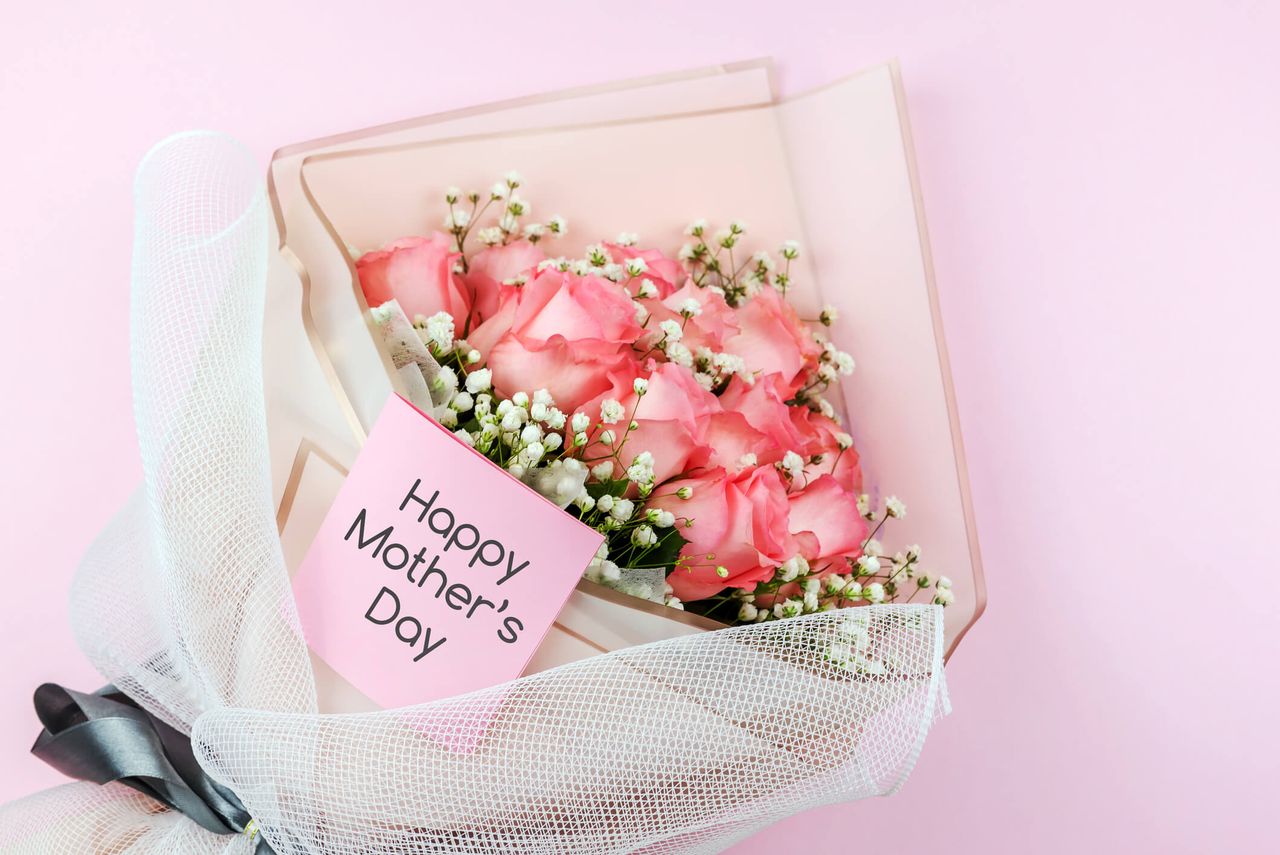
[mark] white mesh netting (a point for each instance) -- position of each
(681, 746)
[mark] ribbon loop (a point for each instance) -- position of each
(107, 737)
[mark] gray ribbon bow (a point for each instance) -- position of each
(106, 737)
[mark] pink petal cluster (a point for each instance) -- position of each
(582, 338)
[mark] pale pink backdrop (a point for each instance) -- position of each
(1102, 189)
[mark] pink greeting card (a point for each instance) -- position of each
(435, 572)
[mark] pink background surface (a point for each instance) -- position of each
(1102, 187)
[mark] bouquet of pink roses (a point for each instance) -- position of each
(680, 406)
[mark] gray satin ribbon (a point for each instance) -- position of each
(106, 737)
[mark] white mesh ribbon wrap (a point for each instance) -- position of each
(184, 602)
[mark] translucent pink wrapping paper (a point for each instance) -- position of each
(184, 602)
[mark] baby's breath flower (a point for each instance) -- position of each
(580, 438)
(439, 329)
(534, 231)
(640, 386)
(558, 226)
(552, 441)
(457, 219)
(642, 313)
(451, 195)
(747, 460)
(671, 330)
(828, 315)
(518, 207)
(685, 492)
(479, 380)
(944, 597)
(690, 308)
(444, 383)
(647, 290)
(944, 582)
(747, 612)
(864, 506)
(844, 363)
(792, 465)
(603, 470)
(788, 608)
(643, 536)
(579, 422)
(445, 416)
(597, 255)
(844, 442)
(641, 469)
(868, 565)
(608, 437)
(611, 411)
(874, 592)
(661, 518)
(622, 509)
(462, 402)
(499, 191)
(894, 507)
(697, 228)
(636, 266)
(790, 250)
(679, 354)
(627, 239)
(489, 236)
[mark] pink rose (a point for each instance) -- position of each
(821, 438)
(763, 403)
(714, 322)
(729, 437)
(671, 417)
(494, 265)
(418, 272)
(739, 523)
(665, 273)
(566, 333)
(773, 339)
(825, 521)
